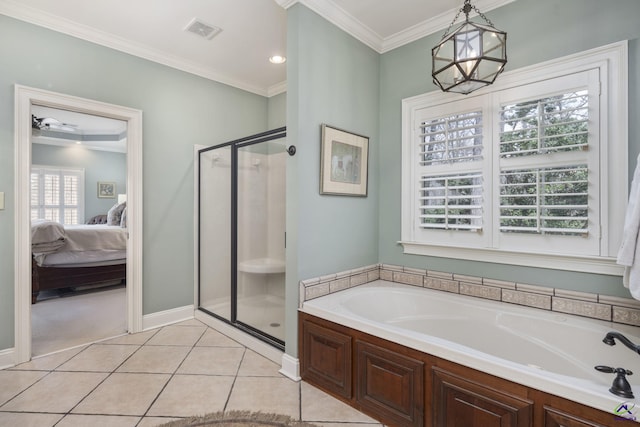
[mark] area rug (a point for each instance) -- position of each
(239, 419)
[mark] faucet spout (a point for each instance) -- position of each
(609, 340)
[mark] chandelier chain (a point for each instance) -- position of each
(483, 16)
(455, 18)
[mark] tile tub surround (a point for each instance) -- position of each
(602, 307)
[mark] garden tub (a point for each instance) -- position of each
(549, 351)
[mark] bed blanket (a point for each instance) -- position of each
(95, 237)
(47, 236)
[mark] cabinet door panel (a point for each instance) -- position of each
(326, 359)
(556, 418)
(458, 402)
(390, 385)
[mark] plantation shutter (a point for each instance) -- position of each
(451, 201)
(57, 194)
(551, 200)
(545, 199)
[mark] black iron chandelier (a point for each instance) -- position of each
(470, 57)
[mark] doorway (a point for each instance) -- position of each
(241, 205)
(78, 287)
(25, 99)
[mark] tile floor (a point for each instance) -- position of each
(153, 377)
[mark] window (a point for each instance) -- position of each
(526, 171)
(57, 194)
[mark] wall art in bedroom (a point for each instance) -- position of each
(106, 190)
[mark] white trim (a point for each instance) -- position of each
(611, 60)
(167, 317)
(28, 14)
(599, 265)
(290, 367)
(24, 98)
(434, 24)
(352, 26)
(243, 338)
(346, 22)
(277, 89)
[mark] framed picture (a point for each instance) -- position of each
(106, 190)
(344, 161)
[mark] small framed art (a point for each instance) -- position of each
(106, 190)
(343, 162)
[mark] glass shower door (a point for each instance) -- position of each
(242, 234)
(261, 237)
(215, 231)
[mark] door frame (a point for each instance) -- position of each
(25, 97)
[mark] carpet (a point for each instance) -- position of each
(238, 419)
(69, 321)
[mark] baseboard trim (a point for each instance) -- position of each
(7, 358)
(290, 367)
(245, 339)
(167, 317)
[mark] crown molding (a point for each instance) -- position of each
(286, 4)
(21, 12)
(276, 89)
(341, 19)
(336, 15)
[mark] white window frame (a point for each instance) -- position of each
(61, 172)
(611, 63)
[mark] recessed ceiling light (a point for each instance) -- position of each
(277, 59)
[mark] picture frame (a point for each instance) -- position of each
(344, 162)
(106, 190)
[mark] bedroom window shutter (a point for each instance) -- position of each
(35, 196)
(51, 190)
(57, 194)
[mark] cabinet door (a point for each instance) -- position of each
(458, 402)
(389, 385)
(326, 359)
(556, 418)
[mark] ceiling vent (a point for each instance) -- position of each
(202, 29)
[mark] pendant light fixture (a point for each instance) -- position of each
(471, 56)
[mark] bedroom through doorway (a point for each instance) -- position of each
(78, 228)
(78, 171)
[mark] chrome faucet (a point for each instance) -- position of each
(609, 340)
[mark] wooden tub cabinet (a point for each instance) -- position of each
(400, 386)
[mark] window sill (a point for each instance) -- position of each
(598, 265)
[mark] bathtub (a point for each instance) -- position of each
(549, 351)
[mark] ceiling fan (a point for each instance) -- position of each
(49, 123)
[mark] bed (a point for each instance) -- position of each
(76, 255)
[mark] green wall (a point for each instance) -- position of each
(179, 110)
(277, 111)
(332, 78)
(97, 165)
(537, 31)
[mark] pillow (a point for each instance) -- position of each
(123, 218)
(114, 215)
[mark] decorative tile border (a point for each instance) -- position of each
(596, 306)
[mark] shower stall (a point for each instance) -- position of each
(242, 234)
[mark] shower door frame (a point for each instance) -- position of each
(235, 145)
